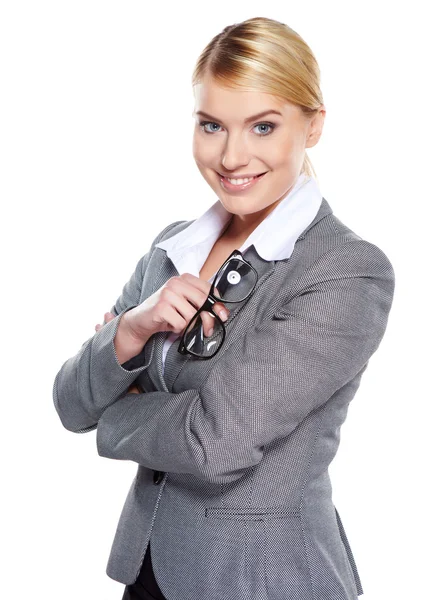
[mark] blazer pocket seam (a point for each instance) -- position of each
(255, 513)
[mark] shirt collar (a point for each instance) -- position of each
(274, 238)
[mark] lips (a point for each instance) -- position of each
(241, 176)
(240, 188)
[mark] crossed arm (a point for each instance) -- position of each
(263, 385)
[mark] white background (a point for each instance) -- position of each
(96, 158)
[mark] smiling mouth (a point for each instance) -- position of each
(245, 177)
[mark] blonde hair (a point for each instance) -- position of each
(264, 55)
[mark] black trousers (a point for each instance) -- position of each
(145, 587)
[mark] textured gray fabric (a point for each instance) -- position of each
(244, 509)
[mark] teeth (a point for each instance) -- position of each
(239, 181)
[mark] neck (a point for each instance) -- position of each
(241, 227)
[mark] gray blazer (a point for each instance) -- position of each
(232, 486)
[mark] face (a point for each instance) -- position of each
(229, 141)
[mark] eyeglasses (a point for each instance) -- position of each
(234, 282)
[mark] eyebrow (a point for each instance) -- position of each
(253, 118)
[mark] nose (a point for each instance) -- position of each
(235, 156)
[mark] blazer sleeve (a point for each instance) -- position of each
(93, 379)
(268, 380)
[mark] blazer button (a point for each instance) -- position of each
(158, 476)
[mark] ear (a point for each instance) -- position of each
(316, 127)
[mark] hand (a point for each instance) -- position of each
(108, 316)
(171, 308)
(133, 389)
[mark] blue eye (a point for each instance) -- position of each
(203, 124)
(272, 127)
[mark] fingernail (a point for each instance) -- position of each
(210, 333)
(223, 315)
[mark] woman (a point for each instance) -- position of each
(234, 419)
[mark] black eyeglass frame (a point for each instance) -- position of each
(209, 303)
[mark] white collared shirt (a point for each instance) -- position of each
(274, 238)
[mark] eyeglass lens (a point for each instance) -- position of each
(234, 282)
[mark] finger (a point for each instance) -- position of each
(108, 316)
(177, 312)
(208, 321)
(172, 319)
(183, 297)
(189, 287)
(196, 291)
(183, 306)
(221, 310)
(200, 284)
